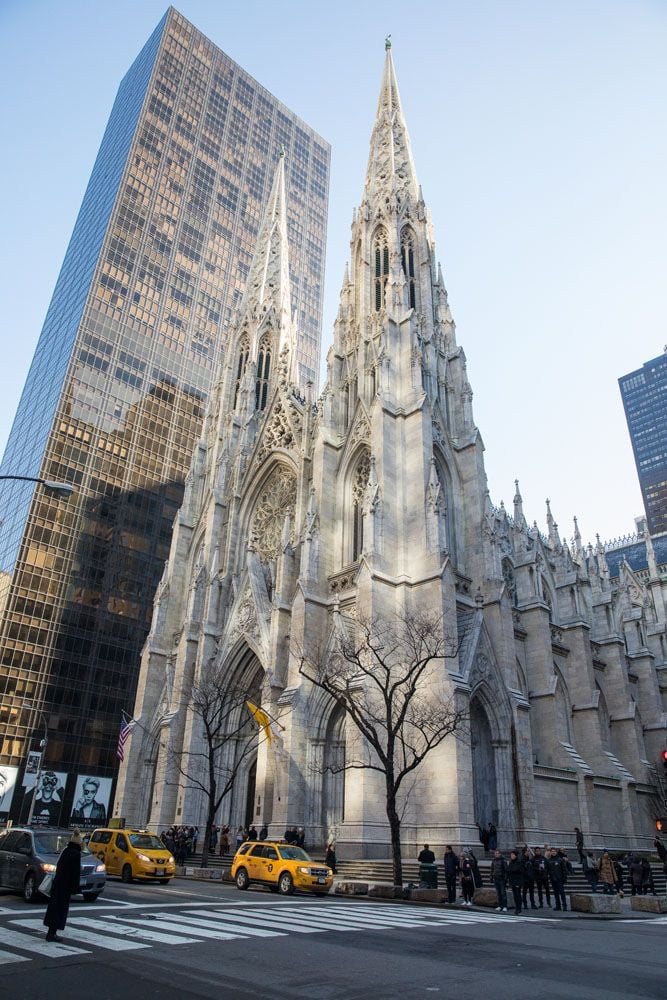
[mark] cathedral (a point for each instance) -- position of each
(372, 499)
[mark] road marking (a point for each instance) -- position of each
(140, 933)
(213, 919)
(28, 942)
(6, 957)
(171, 924)
(345, 922)
(270, 921)
(88, 937)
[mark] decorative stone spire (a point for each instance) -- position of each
(390, 178)
(577, 539)
(268, 280)
(519, 519)
(554, 537)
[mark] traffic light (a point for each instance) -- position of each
(663, 757)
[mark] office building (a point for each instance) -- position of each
(644, 395)
(113, 403)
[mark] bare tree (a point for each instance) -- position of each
(229, 736)
(387, 675)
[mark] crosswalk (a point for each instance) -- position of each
(23, 938)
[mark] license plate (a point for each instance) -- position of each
(321, 881)
(159, 871)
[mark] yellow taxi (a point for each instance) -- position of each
(281, 866)
(133, 854)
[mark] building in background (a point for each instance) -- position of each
(114, 399)
(644, 395)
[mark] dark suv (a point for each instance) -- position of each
(28, 854)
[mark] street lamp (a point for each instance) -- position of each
(61, 489)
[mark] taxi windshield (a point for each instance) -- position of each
(54, 843)
(146, 842)
(293, 854)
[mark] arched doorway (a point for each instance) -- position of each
(485, 792)
(333, 791)
(250, 795)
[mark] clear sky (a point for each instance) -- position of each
(538, 132)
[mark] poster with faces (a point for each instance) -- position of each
(91, 800)
(49, 798)
(31, 769)
(8, 776)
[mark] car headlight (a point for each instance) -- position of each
(142, 857)
(101, 867)
(305, 871)
(48, 868)
(171, 860)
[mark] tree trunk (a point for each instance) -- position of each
(395, 830)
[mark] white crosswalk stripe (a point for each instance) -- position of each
(87, 937)
(132, 930)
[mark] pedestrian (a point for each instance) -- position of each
(579, 843)
(528, 879)
(476, 873)
(647, 878)
(330, 858)
(426, 856)
(493, 837)
(240, 837)
(515, 877)
(484, 838)
(65, 882)
(541, 876)
(618, 871)
(661, 851)
(212, 844)
(558, 877)
(194, 833)
(252, 833)
(263, 833)
(467, 880)
(591, 869)
(224, 841)
(451, 863)
(636, 873)
(499, 880)
(607, 874)
(301, 838)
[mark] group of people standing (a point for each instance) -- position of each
(459, 868)
(530, 871)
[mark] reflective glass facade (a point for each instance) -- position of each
(644, 395)
(115, 395)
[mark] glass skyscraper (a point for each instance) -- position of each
(115, 395)
(644, 395)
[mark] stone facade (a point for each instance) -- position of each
(373, 498)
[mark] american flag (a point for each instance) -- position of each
(125, 730)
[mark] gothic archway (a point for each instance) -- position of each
(333, 791)
(485, 789)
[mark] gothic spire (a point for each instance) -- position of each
(391, 176)
(268, 281)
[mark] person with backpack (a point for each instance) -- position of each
(499, 880)
(451, 863)
(590, 867)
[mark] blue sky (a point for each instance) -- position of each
(538, 131)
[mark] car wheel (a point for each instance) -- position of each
(90, 897)
(126, 874)
(30, 892)
(242, 880)
(285, 884)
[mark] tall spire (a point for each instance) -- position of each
(268, 280)
(391, 171)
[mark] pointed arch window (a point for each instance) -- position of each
(408, 261)
(244, 350)
(359, 487)
(380, 268)
(263, 375)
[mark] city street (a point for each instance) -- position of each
(192, 940)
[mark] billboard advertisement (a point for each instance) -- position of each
(8, 777)
(91, 801)
(49, 798)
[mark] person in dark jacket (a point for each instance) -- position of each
(516, 879)
(499, 880)
(528, 880)
(661, 851)
(591, 868)
(451, 863)
(558, 877)
(426, 857)
(541, 875)
(476, 874)
(493, 837)
(65, 882)
(635, 872)
(467, 879)
(579, 843)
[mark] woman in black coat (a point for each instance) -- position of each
(65, 882)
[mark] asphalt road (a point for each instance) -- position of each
(191, 940)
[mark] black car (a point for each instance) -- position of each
(27, 855)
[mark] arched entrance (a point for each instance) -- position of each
(333, 791)
(485, 791)
(250, 795)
